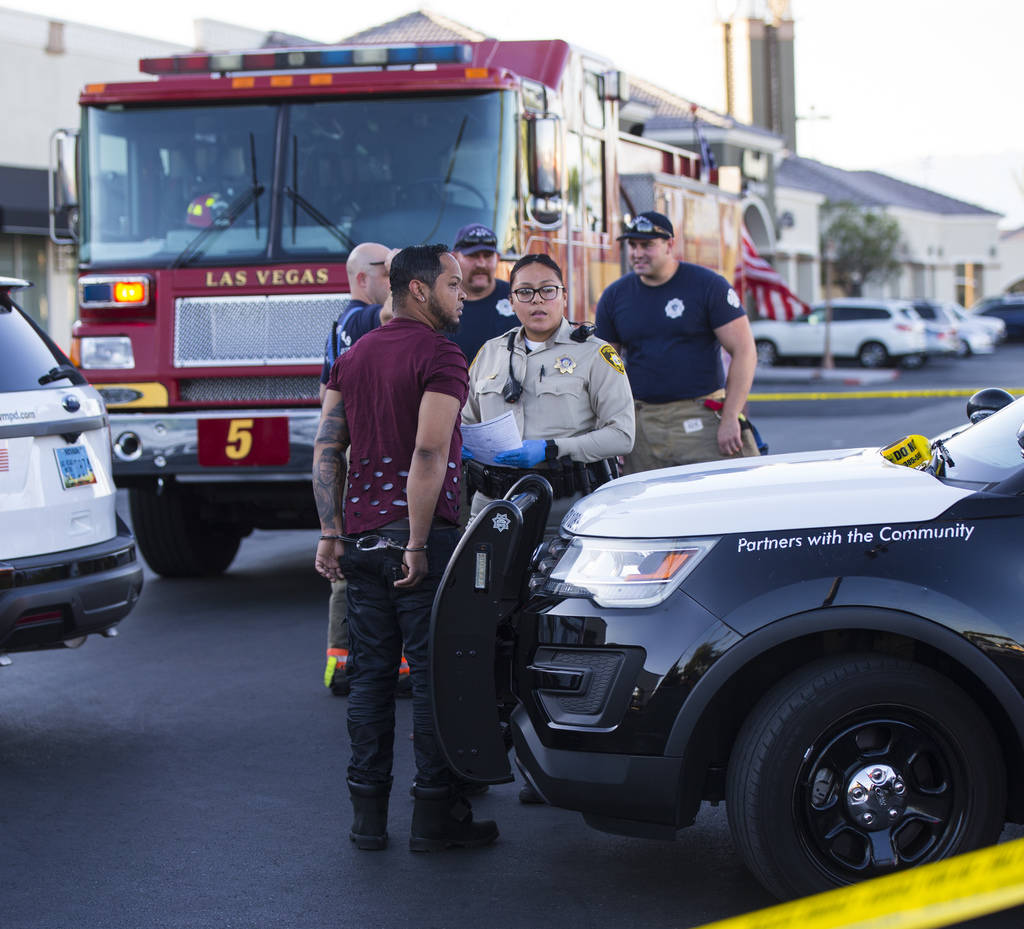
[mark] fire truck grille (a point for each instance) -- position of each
(235, 331)
(248, 389)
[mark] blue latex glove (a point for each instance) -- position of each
(529, 454)
(467, 455)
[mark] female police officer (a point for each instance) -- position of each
(567, 389)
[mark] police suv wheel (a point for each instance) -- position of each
(858, 766)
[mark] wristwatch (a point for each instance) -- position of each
(550, 450)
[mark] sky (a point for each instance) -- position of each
(917, 88)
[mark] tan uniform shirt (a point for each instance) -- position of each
(576, 393)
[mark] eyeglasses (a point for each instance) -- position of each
(376, 263)
(644, 225)
(477, 237)
(547, 292)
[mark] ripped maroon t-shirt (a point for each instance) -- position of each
(382, 379)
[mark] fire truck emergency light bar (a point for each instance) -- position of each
(361, 56)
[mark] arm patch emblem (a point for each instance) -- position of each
(612, 357)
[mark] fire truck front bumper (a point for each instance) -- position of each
(255, 445)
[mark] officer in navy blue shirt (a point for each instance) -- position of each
(368, 308)
(487, 311)
(670, 320)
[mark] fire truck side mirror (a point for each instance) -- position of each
(64, 186)
(544, 140)
(545, 157)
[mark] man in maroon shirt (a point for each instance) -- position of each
(389, 527)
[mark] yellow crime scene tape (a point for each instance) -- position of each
(934, 895)
(873, 394)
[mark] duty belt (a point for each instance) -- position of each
(566, 477)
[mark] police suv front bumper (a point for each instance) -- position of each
(625, 794)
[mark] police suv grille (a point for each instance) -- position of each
(603, 667)
(274, 330)
(248, 389)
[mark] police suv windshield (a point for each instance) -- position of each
(987, 451)
(223, 184)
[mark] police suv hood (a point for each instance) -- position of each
(801, 490)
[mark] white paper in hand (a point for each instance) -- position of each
(486, 439)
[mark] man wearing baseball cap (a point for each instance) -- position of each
(487, 311)
(669, 320)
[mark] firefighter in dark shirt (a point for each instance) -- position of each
(487, 311)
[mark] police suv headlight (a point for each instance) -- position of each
(107, 352)
(625, 572)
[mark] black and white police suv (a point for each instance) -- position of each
(68, 564)
(829, 641)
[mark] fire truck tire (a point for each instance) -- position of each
(173, 538)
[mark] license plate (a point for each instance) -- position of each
(74, 466)
(245, 441)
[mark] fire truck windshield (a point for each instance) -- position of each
(231, 184)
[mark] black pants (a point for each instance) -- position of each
(383, 618)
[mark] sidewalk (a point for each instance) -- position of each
(810, 375)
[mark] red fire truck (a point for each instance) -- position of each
(213, 208)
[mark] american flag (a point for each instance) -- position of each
(5, 461)
(756, 276)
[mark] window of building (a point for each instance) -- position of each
(24, 256)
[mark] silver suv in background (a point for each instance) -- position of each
(68, 564)
(875, 333)
(940, 327)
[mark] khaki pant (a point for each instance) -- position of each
(678, 433)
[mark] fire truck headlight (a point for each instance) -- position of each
(107, 352)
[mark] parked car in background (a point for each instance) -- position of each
(939, 328)
(68, 564)
(1007, 307)
(977, 335)
(873, 332)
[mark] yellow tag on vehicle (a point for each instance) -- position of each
(914, 451)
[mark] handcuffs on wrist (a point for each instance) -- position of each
(371, 542)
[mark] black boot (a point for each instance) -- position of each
(442, 819)
(370, 814)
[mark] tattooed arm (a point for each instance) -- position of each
(329, 474)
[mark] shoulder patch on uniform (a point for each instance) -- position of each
(612, 357)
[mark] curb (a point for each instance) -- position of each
(848, 376)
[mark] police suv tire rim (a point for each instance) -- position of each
(858, 766)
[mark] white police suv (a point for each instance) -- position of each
(830, 642)
(68, 564)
